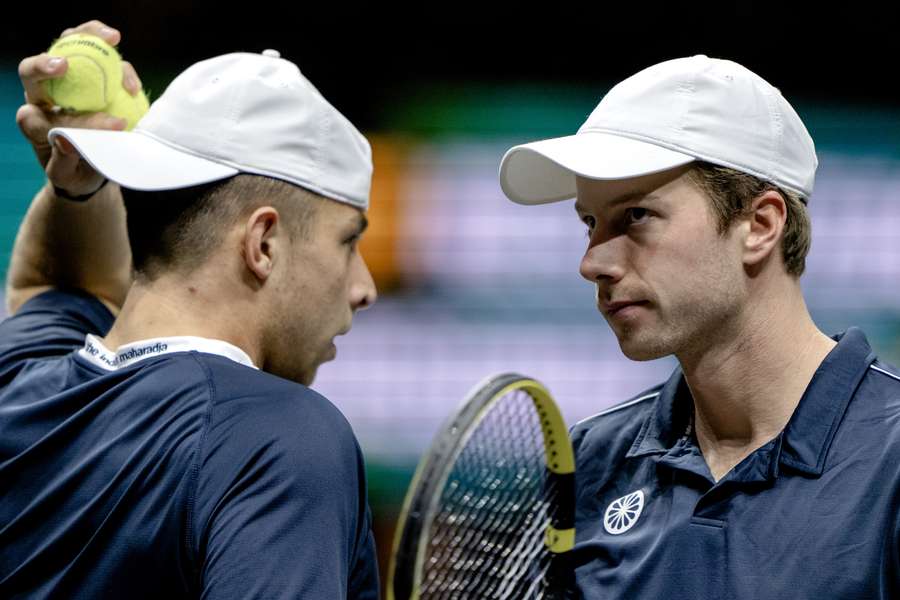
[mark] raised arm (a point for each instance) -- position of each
(63, 242)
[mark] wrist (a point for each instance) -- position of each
(61, 193)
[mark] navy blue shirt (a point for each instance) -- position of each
(813, 514)
(174, 475)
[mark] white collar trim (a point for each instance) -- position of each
(97, 354)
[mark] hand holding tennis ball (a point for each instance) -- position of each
(93, 81)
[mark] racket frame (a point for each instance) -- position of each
(426, 487)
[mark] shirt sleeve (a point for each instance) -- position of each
(281, 509)
(53, 323)
(364, 573)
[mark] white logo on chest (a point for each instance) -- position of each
(622, 514)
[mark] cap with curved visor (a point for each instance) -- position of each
(236, 113)
(666, 116)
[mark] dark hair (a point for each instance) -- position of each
(177, 230)
(731, 193)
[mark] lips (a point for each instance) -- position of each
(611, 309)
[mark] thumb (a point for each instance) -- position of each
(62, 168)
(68, 171)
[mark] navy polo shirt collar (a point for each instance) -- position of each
(810, 431)
(669, 420)
(803, 444)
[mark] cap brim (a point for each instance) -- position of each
(140, 162)
(545, 171)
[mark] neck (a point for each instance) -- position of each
(167, 307)
(747, 384)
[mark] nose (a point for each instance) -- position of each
(362, 287)
(603, 261)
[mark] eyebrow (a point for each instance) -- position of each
(362, 223)
(622, 199)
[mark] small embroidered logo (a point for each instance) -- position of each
(622, 514)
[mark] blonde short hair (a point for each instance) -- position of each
(731, 193)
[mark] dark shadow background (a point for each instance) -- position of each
(361, 57)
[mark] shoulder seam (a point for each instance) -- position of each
(618, 407)
(883, 372)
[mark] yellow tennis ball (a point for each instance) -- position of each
(128, 107)
(94, 77)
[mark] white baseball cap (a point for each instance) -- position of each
(668, 115)
(236, 113)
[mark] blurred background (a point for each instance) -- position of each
(469, 283)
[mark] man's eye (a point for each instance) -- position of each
(636, 215)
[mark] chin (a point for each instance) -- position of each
(296, 374)
(308, 376)
(642, 354)
(637, 349)
(302, 371)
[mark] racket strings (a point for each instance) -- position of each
(486, 538)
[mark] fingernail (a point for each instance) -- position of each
(132, 84)
(54, 63)
(107, 31)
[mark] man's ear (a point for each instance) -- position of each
(768, 214)
(261, 234)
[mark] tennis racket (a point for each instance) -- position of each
(490, 512)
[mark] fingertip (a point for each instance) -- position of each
(132, 83)
(96, 27)
(110, 35)
(63, 145)
(55, 65)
